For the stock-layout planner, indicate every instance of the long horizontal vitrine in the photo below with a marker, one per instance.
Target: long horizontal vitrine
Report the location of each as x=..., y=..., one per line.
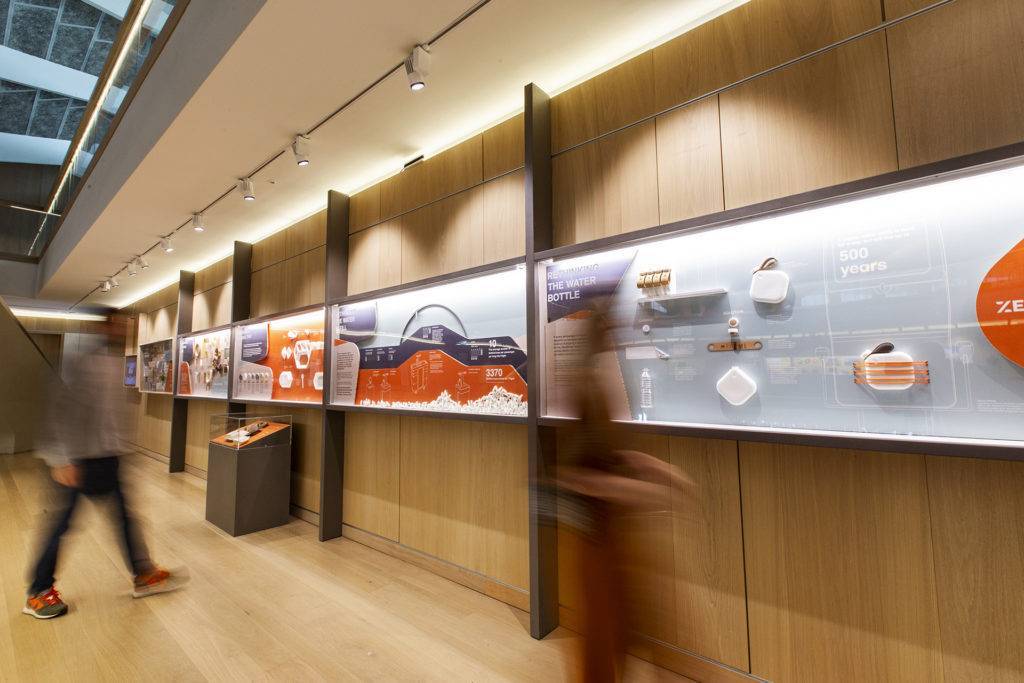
x=455, y=347
x=892, y=317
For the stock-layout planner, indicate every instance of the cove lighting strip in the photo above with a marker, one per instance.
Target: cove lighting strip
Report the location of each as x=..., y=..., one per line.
x=63, y=315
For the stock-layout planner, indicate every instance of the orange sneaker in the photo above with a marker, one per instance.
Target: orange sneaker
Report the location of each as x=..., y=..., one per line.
x=45, y=605
x=159, y=580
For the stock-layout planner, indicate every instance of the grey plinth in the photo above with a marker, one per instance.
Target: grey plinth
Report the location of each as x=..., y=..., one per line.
x=249, y=489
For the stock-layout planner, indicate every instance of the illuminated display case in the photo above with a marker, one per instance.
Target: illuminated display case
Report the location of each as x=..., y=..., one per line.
x=131, y=365
x=280, y=359
x=156, y=367
x=203, y=367
x=457, y=347
x=896, y=314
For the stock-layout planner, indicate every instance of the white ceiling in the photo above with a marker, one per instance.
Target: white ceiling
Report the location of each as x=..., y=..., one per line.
x=289, y=69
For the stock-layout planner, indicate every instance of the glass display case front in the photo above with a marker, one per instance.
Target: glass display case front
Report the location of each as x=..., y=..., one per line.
x=280, y=359
x=900, y=313
x=240, y=430
x=203, y=364
x=458, y=347
x=131, y=364
x=156, y=367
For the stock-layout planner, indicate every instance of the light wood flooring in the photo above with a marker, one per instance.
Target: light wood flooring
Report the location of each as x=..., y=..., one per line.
x=275, y=605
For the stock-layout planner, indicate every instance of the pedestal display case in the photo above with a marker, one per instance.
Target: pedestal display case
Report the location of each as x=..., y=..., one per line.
x=280, y=359
x=457, y=347
x=203, y=367
x=894, y=315
x=249, y=472
x=156, y=367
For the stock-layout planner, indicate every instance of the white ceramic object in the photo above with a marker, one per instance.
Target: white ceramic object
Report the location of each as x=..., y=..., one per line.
x=301, y=353
x=318, y=381
x=769, y=286
x=285, y=380
x=736, y=386
x=891, y=357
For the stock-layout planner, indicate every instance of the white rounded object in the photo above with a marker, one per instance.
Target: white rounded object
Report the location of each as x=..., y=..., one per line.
x=285, y=380
x=318, y=381
x=286, y=352
x=769, y=286
x=736, y=386
x=891, y=357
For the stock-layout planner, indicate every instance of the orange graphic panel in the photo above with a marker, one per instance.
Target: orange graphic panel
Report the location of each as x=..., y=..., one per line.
x=1001, y=305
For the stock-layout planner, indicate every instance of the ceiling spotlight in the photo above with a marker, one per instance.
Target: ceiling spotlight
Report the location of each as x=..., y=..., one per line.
x=166, y=244
x=197, y=222
x=105, y=286
x=143, y=263
x=248, y=189
x=300, y=148
x=417, y=66
x=113, y=282
x=133, y=268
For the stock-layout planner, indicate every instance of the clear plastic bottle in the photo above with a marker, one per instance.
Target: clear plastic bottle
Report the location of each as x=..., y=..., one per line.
x=646, y=389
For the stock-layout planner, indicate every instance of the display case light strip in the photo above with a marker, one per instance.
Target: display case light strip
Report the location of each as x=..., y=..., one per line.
x=62, y=315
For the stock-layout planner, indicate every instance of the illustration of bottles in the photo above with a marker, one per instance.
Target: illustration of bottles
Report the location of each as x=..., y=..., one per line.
x=646, y=390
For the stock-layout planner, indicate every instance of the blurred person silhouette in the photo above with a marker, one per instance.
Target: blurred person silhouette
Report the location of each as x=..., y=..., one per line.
x=600, y=482
x=82, y=444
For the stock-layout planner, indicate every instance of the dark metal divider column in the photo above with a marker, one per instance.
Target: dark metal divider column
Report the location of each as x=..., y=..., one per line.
x=241, y=296
x=179, y=411
x=332, y=450
x=543, y=530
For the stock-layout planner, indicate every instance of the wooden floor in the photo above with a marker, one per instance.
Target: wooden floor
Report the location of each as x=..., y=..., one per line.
x=276, y=605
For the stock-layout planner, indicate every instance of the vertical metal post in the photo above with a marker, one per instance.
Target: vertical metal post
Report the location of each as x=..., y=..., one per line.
x=179, y=410
x=543, y=529
x=332, y=453
x=241, y=293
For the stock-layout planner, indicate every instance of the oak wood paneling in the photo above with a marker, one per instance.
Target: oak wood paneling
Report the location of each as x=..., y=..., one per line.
x=464, y=495
x=197, y=439
x=212, y=307
x=307, y=434
x=752, y=38
x=710, y=594
x=822, y=122
x=214, y=275
x=153, y=428
x=619, y=96
x=977, y=509
x=449, y=171
x=956, y=75
x=443, y=237
x=364, y=208
x=502, y=147
x=840, y=579
x=689, y=157
x=504, y=217
x=372, y=446
x=375, y=257
x=607, y=187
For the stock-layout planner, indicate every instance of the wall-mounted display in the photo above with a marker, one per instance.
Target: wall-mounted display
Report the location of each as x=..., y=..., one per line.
x=458, y=347
x=131, y=364
x=156, y=367
x=203, y=364
x=281, y=359
x=900, y=313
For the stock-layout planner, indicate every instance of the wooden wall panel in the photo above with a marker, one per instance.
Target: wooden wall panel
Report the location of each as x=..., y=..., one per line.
x=607, y=187
x=504, y=217
x=364, y=208
x=752, y=38
x=197, y=439
x=212, y=308
x=307, y=435
x=464, y=496
x=822, y=122
x=977, y=510
x=619, y=96
x=214, y=275
x=449, y=171
x=372, y=445
x=689, y=162
x=153, y=429
x=956, y=75
x=710, y=594
x=443, y=237
x=502, y=147
x=840, y=578
x=375, y=257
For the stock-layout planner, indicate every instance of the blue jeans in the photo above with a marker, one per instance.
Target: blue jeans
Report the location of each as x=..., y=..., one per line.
x=99, y=479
